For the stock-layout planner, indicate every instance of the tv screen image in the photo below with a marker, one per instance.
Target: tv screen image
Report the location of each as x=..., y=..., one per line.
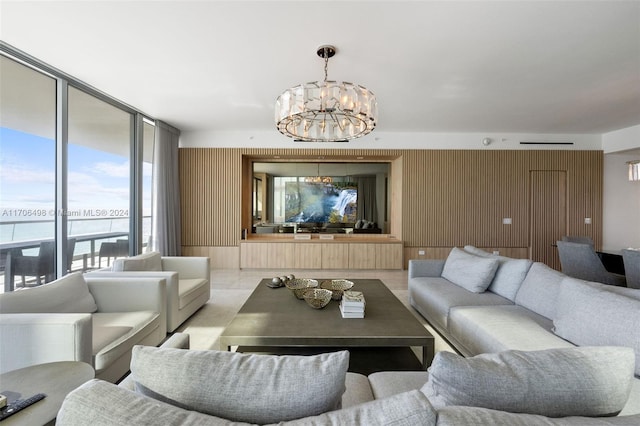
x=320, y=202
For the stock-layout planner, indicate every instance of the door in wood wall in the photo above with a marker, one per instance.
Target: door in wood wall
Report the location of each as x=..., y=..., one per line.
x=548, y=215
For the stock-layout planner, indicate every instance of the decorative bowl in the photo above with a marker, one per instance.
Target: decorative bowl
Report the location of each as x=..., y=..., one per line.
x=317, y=298
x=337, y=287
x=299, y=285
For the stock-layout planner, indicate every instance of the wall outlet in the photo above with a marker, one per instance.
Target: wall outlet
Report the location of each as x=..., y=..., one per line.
x=506, y=221
x=587, y=221
x=420, y=252
x=496, y=252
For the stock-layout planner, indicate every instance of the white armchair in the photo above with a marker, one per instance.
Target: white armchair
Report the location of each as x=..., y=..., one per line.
x=187, y=281
x=96, y=320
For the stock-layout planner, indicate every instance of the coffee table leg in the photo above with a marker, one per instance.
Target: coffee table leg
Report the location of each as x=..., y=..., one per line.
x=428, y=352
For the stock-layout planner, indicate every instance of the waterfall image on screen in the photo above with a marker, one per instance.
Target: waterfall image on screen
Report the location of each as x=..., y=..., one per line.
x=320, y=202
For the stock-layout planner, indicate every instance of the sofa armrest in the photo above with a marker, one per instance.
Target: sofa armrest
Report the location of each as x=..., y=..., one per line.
x=176, y=341
x=171, y=278
x=188, y=267
x=127, y=294
x=425, y=267
x=29, y=339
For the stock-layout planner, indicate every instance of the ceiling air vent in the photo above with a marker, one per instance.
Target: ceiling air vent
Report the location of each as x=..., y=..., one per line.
x=546, y=143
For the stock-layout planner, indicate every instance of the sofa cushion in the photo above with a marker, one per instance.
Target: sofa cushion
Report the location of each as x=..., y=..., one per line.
x=189, y=290
x=590, y=314
x=242, y=387
x=471, y=272
x=138, y=325
x=539, y=290
x=387, y=383
x=69, y=294
x=434, y=298
x=473, y=416
x=99, y=403
x=405, y=409
x=485, y=329
x=580, y=381
x=151, y=261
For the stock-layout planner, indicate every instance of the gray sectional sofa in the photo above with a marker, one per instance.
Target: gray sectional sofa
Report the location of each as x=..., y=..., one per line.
x=578, y=386
x=483, y=303
x=543, y=349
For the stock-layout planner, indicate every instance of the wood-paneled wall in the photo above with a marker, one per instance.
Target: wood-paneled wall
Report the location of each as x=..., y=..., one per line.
x=440, y=198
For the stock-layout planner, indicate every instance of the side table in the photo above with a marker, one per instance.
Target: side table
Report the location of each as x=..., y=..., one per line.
x=54, y=379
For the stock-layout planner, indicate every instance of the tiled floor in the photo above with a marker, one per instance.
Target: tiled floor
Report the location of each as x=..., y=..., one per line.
x=230, y=288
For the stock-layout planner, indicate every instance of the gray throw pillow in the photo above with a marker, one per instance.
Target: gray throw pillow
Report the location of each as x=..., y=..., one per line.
x=470, y=272
x=580, y=381
x=242, y=387
x=597, y=314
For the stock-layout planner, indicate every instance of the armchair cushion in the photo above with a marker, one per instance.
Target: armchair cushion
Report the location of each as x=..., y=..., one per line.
x=151, y=261
x=240, y=387
x=584, y=381
x=69, y=294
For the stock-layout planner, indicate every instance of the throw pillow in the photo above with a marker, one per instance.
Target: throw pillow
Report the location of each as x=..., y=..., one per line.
x=591, y=314
x=580, y=381
x=509, y=276
x=151, y=261
x=471, y=272
x=242, y=387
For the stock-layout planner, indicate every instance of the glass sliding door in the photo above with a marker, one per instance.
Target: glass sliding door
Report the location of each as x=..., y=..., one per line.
x=99, y=178
x=27, y=175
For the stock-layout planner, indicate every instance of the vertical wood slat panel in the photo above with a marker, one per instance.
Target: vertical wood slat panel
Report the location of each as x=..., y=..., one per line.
x=445, y=197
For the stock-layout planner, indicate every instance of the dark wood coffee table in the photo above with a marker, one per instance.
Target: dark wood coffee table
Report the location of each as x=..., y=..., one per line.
x=275, y=318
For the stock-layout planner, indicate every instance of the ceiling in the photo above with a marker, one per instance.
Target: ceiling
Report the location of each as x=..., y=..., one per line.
x=435, y=66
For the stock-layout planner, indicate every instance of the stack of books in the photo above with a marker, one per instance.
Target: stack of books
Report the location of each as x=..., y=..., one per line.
x=352, y=304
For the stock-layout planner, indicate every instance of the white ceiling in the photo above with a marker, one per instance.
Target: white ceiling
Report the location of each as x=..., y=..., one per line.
x=435, y=66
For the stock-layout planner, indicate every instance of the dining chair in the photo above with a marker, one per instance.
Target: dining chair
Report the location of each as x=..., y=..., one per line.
x=631, y=260
x=42, y=265
x=581, y=261
x=580, y=239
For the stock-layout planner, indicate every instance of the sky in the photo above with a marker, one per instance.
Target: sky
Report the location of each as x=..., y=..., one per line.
x=98, y=180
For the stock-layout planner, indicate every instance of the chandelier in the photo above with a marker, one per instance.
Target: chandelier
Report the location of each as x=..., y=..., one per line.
x=326, y=111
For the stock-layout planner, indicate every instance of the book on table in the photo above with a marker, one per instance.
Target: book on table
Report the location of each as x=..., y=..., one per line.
x=353, y=298
x=352, y=304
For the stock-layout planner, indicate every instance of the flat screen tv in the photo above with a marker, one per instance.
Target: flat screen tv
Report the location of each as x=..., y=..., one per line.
x=320, y=202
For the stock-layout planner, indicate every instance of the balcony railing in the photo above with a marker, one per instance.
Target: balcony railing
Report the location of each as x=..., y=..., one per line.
x=24, y=237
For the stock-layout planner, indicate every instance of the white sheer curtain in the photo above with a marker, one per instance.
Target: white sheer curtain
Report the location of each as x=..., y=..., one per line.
x=367, y=200
x=166, y=234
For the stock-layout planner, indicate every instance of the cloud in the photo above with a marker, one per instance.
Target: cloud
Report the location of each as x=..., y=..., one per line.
x=120, y=170
x=17, y=174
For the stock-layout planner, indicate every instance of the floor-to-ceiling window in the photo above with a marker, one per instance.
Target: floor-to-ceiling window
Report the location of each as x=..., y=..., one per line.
x=99, y=175
x=75, y=173
x=27, y=169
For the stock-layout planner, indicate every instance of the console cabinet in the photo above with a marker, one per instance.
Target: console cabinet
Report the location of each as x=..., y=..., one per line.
x=313, y=254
